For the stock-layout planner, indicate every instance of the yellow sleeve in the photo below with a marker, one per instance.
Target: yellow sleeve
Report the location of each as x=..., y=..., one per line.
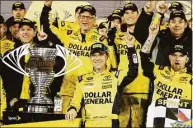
x=6, y=45
x=3, y=104
x=78, y=95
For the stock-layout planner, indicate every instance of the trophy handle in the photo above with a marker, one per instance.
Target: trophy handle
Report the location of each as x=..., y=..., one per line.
x=12, y=59
x=69, y=59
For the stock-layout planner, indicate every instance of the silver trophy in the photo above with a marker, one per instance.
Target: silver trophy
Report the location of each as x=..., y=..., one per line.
x=40, y=70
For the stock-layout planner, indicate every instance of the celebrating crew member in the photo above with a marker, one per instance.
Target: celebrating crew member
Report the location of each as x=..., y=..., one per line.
x=176, y=34
x=78, y=43
x=101, y=88
x=170, y=83
x=5, y=44
x=102, y=29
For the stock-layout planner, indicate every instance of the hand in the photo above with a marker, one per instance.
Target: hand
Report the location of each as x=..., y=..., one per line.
x=48, y=3
x=153, y=29
x=149, y=6
x=161, y=7
x=71, y=114
x=129, y=39
x=13, y=101
x=42, y=35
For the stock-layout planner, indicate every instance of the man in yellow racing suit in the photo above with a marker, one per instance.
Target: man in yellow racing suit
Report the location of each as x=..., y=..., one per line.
x=78, y=43
x=101, y=88
x=171, y=83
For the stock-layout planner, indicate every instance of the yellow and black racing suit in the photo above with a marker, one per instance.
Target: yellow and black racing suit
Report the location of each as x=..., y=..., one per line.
x=78, y=44
x=100, y=93
x=167, y=85
x=135, y=95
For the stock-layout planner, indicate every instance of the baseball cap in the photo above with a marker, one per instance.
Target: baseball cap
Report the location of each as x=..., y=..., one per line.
x=102, y=25
x=2, y=21
x=130, y=6
x=115, y=16
x=177, y=13
x=118, y=12
x=178, y=48
x=176, y=6
x=27, y=22
x=18, y=5
x=12, y=21
x=98, y=47
x=88, y=8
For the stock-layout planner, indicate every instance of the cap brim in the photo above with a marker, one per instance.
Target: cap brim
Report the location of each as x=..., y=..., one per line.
x=97, y=51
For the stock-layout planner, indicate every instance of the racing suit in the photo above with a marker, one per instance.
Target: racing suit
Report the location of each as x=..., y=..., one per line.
x=135, y=94
x=78, y=44
x=101, y=92
x=168, y=85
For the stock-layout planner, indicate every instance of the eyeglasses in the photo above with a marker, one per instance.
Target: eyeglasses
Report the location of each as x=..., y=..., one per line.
x=86, y=17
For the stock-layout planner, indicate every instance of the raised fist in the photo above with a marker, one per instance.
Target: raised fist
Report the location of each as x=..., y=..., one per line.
x=48, y=3
x=161, y=7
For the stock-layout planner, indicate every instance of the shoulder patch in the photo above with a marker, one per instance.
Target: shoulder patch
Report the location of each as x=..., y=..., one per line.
x=102, y=38
x=63, y=23
x=161, y=67
x=69, y=32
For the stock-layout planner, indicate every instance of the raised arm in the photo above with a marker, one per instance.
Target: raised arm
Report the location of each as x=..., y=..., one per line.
x=133, y=63
x=147, y=65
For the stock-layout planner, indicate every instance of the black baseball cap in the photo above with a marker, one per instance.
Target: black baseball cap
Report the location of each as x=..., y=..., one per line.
x=118, y=12
x=102, y=25
x=12, y=21
x=98, y=47
x=88, y=8
x=2, y=21
x=130, y=6
x=176, y=6
x=18, y=5
x=115, y=16
x=27, y=22
x=178, y=48
x=177, y=13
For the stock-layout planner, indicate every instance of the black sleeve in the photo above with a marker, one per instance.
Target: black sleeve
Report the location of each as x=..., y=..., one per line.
x=133, y=69
x=141, y=31
x=46, y=26
x=147, y=66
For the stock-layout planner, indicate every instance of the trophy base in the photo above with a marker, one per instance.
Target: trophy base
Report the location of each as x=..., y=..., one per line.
x=40, y=108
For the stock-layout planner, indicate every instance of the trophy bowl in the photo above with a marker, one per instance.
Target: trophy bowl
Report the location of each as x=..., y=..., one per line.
x=40, y=69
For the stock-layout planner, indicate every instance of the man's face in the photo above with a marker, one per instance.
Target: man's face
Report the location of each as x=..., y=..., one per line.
x=116, y=23
x=3, y=30
x=86, y=21
x=26, y=34
x=99, y=60
x=178, y=61
x=177, y=26
x=103, y=31
x=19, y=13
x=130, y=17
x=14, y=29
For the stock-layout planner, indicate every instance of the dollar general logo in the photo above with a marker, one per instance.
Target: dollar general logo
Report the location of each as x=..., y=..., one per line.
x=15, y=118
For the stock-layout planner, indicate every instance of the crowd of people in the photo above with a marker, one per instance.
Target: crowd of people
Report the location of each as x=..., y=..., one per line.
x=130, y=62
